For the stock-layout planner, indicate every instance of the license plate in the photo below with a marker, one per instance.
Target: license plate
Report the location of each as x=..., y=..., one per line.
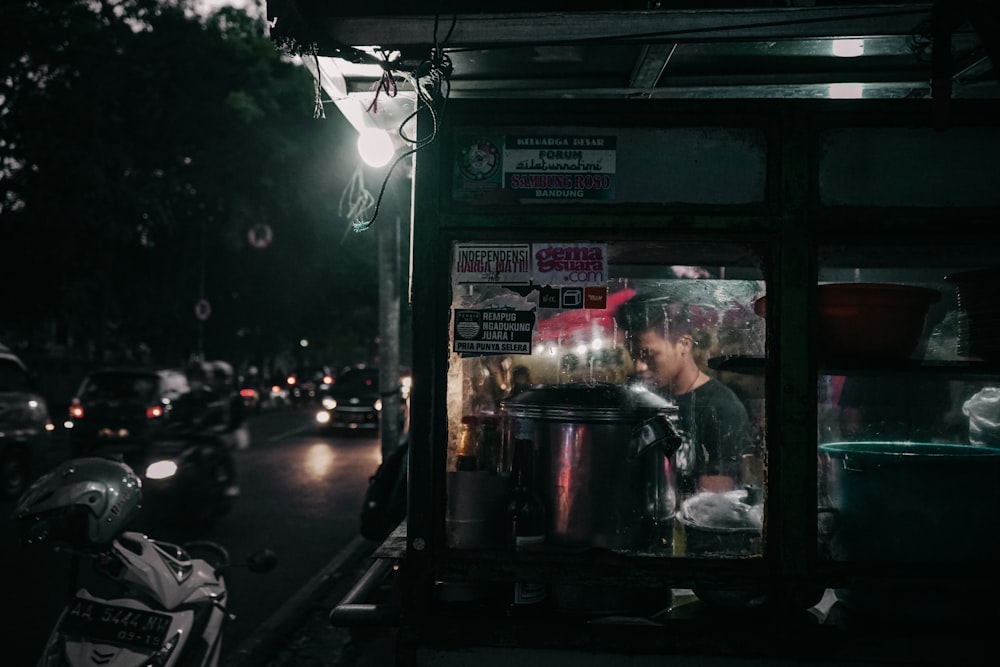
x=113, y=624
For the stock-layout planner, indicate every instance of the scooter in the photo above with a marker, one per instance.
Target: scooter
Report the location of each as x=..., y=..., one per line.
x=150, y=603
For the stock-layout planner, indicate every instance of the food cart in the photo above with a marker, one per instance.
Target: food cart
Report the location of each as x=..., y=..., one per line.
x=837, y=259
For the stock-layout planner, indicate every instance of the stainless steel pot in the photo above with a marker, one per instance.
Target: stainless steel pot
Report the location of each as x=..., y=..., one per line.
x=603, y=468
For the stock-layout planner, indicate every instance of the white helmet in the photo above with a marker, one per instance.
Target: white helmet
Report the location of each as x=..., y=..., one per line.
x=83, y=503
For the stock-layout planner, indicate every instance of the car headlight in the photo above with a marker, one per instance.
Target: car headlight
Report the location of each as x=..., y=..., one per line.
x=161, y=469
x=378, y=405
x=329, y=403
x=323, y=417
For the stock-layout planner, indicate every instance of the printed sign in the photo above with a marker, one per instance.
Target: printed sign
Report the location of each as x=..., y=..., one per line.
x=595, y=297
x=560, y=167
x=260, y=235
x=508, y=264
x=541, y=264
x=493, y=331
x=573, y=297
x=202, y=309
x=576, y=264
x=549, y=297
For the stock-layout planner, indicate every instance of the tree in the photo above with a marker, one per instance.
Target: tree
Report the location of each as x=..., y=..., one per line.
x=139, y=144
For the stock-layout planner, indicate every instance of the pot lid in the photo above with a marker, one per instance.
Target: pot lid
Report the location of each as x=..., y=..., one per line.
x=732, y=510
x=937, y=453
x=587, y=401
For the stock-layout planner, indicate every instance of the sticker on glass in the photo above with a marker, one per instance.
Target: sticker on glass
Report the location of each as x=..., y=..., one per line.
x=493, y=331
x=496, y=263
x=574, y=264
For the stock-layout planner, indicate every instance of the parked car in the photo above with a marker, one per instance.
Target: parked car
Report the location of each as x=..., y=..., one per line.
x=177, y=435
x=25, y=426
x=354, y=402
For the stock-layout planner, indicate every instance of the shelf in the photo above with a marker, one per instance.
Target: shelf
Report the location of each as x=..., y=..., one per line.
x=739, y=363
x=962, y=368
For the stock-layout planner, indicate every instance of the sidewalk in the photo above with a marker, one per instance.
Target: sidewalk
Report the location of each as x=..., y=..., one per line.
x=300, y=633
x=316, y=643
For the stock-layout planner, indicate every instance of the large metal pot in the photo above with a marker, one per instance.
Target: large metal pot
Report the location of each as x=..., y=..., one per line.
x=601, y=469
x=910, y=502
x=906, y=502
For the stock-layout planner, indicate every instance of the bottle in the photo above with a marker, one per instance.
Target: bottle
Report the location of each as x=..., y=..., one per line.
x=488, y=451
x=526, y=512
x=468, y=441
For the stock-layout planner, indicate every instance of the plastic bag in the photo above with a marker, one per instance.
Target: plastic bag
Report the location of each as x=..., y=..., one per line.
x=983, y=411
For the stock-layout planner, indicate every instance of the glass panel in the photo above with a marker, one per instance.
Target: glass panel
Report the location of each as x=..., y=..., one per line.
x=625, y=380
x=909, y=411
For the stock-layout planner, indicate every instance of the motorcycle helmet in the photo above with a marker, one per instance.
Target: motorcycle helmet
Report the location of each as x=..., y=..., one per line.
x=83, y=503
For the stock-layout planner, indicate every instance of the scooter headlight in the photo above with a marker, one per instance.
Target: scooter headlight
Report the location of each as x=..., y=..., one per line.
x=161, y=469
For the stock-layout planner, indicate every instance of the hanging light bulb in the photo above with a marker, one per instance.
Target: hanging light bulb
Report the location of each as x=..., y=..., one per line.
x=375, y=147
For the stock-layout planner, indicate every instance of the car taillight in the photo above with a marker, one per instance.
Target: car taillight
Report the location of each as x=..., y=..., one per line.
x=248, y=393
x=154, y=411
x=75, y=409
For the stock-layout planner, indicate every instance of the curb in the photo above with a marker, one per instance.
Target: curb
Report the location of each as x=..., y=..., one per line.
x=257, y=650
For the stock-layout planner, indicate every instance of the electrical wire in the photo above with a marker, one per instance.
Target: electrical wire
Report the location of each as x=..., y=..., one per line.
x=386, y=83
x=318, y=110
x=355, y=200
x=431, y=80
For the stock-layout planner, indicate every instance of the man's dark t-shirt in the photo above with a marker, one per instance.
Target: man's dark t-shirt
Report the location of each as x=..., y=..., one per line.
x=718, y=428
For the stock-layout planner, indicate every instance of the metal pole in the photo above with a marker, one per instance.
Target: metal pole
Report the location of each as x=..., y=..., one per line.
x=388, y=262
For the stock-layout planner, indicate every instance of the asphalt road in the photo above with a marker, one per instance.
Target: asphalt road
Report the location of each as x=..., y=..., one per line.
x=300, y=496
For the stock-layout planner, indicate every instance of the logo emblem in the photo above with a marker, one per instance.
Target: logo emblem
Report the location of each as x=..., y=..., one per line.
x=479, y=160
x=468, y=324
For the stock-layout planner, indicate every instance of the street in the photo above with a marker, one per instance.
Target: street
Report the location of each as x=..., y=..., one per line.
x=300, y=496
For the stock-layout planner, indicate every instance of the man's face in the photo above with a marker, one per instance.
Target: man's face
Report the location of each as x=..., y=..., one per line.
x=656, y=359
